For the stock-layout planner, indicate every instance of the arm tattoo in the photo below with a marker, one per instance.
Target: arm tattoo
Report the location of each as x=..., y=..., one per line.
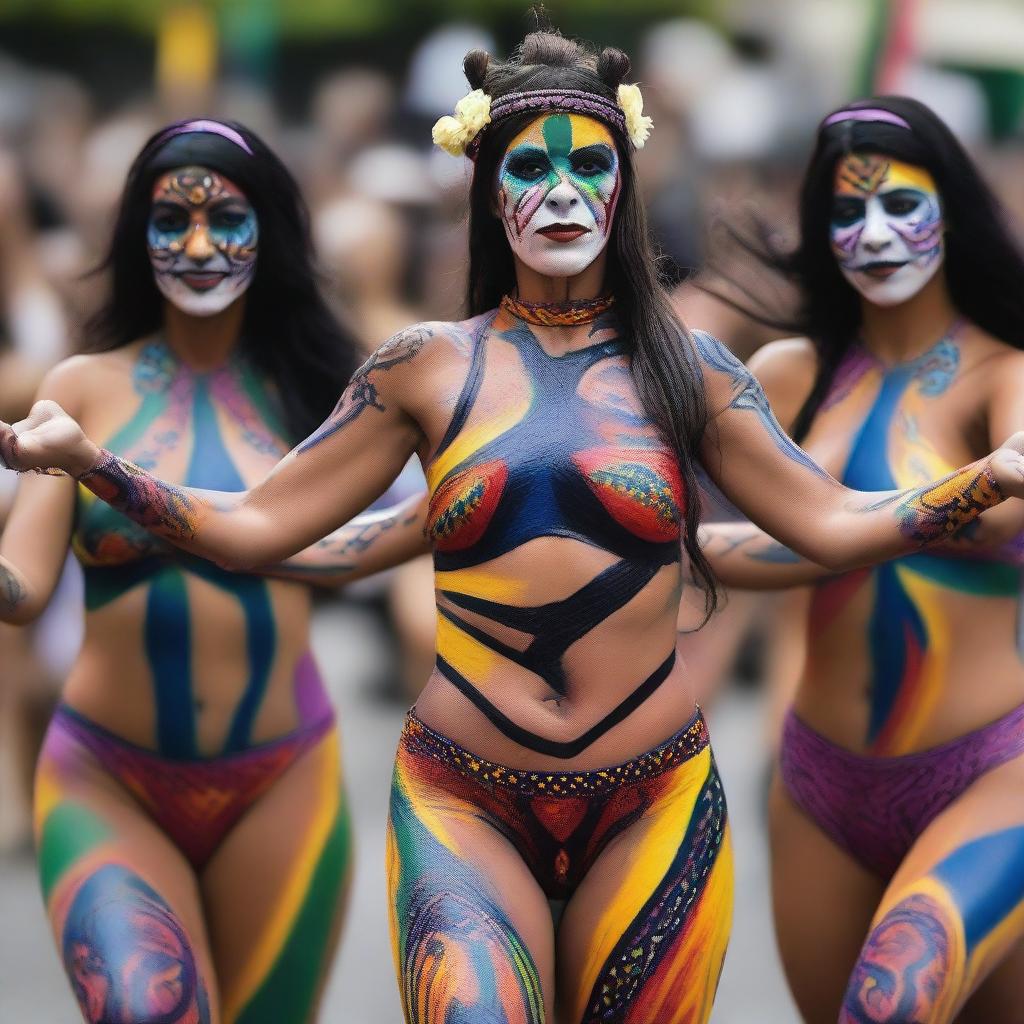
x=944, y=508
x=361, y=392
x=12, y=593
x=747, y=393
x=776, y=553
x=339, y=552
x=161, y=508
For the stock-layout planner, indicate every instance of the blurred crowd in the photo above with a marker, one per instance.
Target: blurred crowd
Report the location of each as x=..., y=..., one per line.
x=733, y=114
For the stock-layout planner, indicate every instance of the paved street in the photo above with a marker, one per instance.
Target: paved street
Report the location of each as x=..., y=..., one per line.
x=362, y=989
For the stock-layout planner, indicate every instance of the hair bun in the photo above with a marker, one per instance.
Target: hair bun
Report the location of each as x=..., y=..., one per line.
x=475, y=65
x=612, y=67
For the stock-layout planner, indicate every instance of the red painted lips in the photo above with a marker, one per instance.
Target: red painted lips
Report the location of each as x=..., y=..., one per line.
x=563, y=232
x=202, y=281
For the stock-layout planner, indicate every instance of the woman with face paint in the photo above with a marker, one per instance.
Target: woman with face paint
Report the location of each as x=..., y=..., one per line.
x=555, y=757
x=902, y=760
x=192, y=832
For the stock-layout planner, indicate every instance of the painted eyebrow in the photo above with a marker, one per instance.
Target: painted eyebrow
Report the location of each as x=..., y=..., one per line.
x=169, y=205
x=594, y=149
x=913, y=190
x=528, y=149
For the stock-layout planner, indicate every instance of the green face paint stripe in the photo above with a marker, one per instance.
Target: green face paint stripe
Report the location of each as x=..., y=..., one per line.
x=557, y=132
x=69, y=833
x=289, y=990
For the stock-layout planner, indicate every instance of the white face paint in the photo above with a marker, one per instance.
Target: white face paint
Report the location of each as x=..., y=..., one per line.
x=558, y=185
x=202, y=239
x=886, y=228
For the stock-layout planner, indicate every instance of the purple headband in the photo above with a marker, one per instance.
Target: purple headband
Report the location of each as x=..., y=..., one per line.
x=212, y=127
x=866, y=114
x=571, y=101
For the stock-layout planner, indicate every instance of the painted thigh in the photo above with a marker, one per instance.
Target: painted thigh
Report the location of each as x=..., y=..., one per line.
x=644, y=936
x=471, y=929
x=121, y=899
x=275, y=893
x=953, y=911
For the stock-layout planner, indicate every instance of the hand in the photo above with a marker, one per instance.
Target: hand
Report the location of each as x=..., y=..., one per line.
x=1007, y=466
x=48, y=439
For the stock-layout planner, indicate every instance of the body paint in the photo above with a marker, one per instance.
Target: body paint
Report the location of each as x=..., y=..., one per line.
x=12, y=592
x=178, y=410
x=558, y=186
x=748, y=394
x=128, y=956
x=202, y=240
x=923, y=959
x=361, y=393
x=907, y=628
x=887, y=228
x=559, y=458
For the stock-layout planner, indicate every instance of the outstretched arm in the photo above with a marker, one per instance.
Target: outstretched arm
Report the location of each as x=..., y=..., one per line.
x=782, y=490
x=371, y=543
x=319, y=486
x=38, y=528
x=743, y=556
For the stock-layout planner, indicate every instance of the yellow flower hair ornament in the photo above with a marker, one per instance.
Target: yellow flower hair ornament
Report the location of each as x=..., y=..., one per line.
x=638, y=125
x=472, y=114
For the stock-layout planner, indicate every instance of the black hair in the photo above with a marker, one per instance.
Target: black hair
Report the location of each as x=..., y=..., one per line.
x=287, y=331
x=984, y=268
x=664, y=367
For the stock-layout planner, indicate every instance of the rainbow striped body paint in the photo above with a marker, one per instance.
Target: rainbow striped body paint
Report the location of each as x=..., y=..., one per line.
x=660, y=941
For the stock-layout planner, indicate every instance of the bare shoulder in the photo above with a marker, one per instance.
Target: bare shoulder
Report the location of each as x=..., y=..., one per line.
x=786, y=369
x=981, y=350
x=427, y=342
x=72, y=380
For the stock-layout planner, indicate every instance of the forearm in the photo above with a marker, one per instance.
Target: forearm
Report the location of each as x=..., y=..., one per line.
x=369, y=544
x=744, y=557
x=863, y=531
x=210, y=524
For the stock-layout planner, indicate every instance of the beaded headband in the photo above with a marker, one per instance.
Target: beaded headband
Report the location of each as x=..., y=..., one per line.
x=569, y=101
x=202, y=125
x=866, y=114
x=460, y=134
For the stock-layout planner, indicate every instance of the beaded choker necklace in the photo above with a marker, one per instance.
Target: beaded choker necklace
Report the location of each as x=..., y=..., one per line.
x=558, y=314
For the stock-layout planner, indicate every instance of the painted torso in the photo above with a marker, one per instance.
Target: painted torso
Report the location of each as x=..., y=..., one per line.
x=910, y=653
x=179, y=655
x=555, y=515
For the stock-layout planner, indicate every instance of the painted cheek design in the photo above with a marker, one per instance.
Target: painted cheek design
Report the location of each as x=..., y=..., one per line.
x=887, y=219
x=202, y=239
x=558, y=186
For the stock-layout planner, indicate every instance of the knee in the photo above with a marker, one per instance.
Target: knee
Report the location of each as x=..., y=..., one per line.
x=909, y=967
x=127, y=955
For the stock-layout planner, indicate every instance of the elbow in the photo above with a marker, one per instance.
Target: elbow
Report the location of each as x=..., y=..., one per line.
x=836, y=558
x=234, y=561
x=22, y=614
